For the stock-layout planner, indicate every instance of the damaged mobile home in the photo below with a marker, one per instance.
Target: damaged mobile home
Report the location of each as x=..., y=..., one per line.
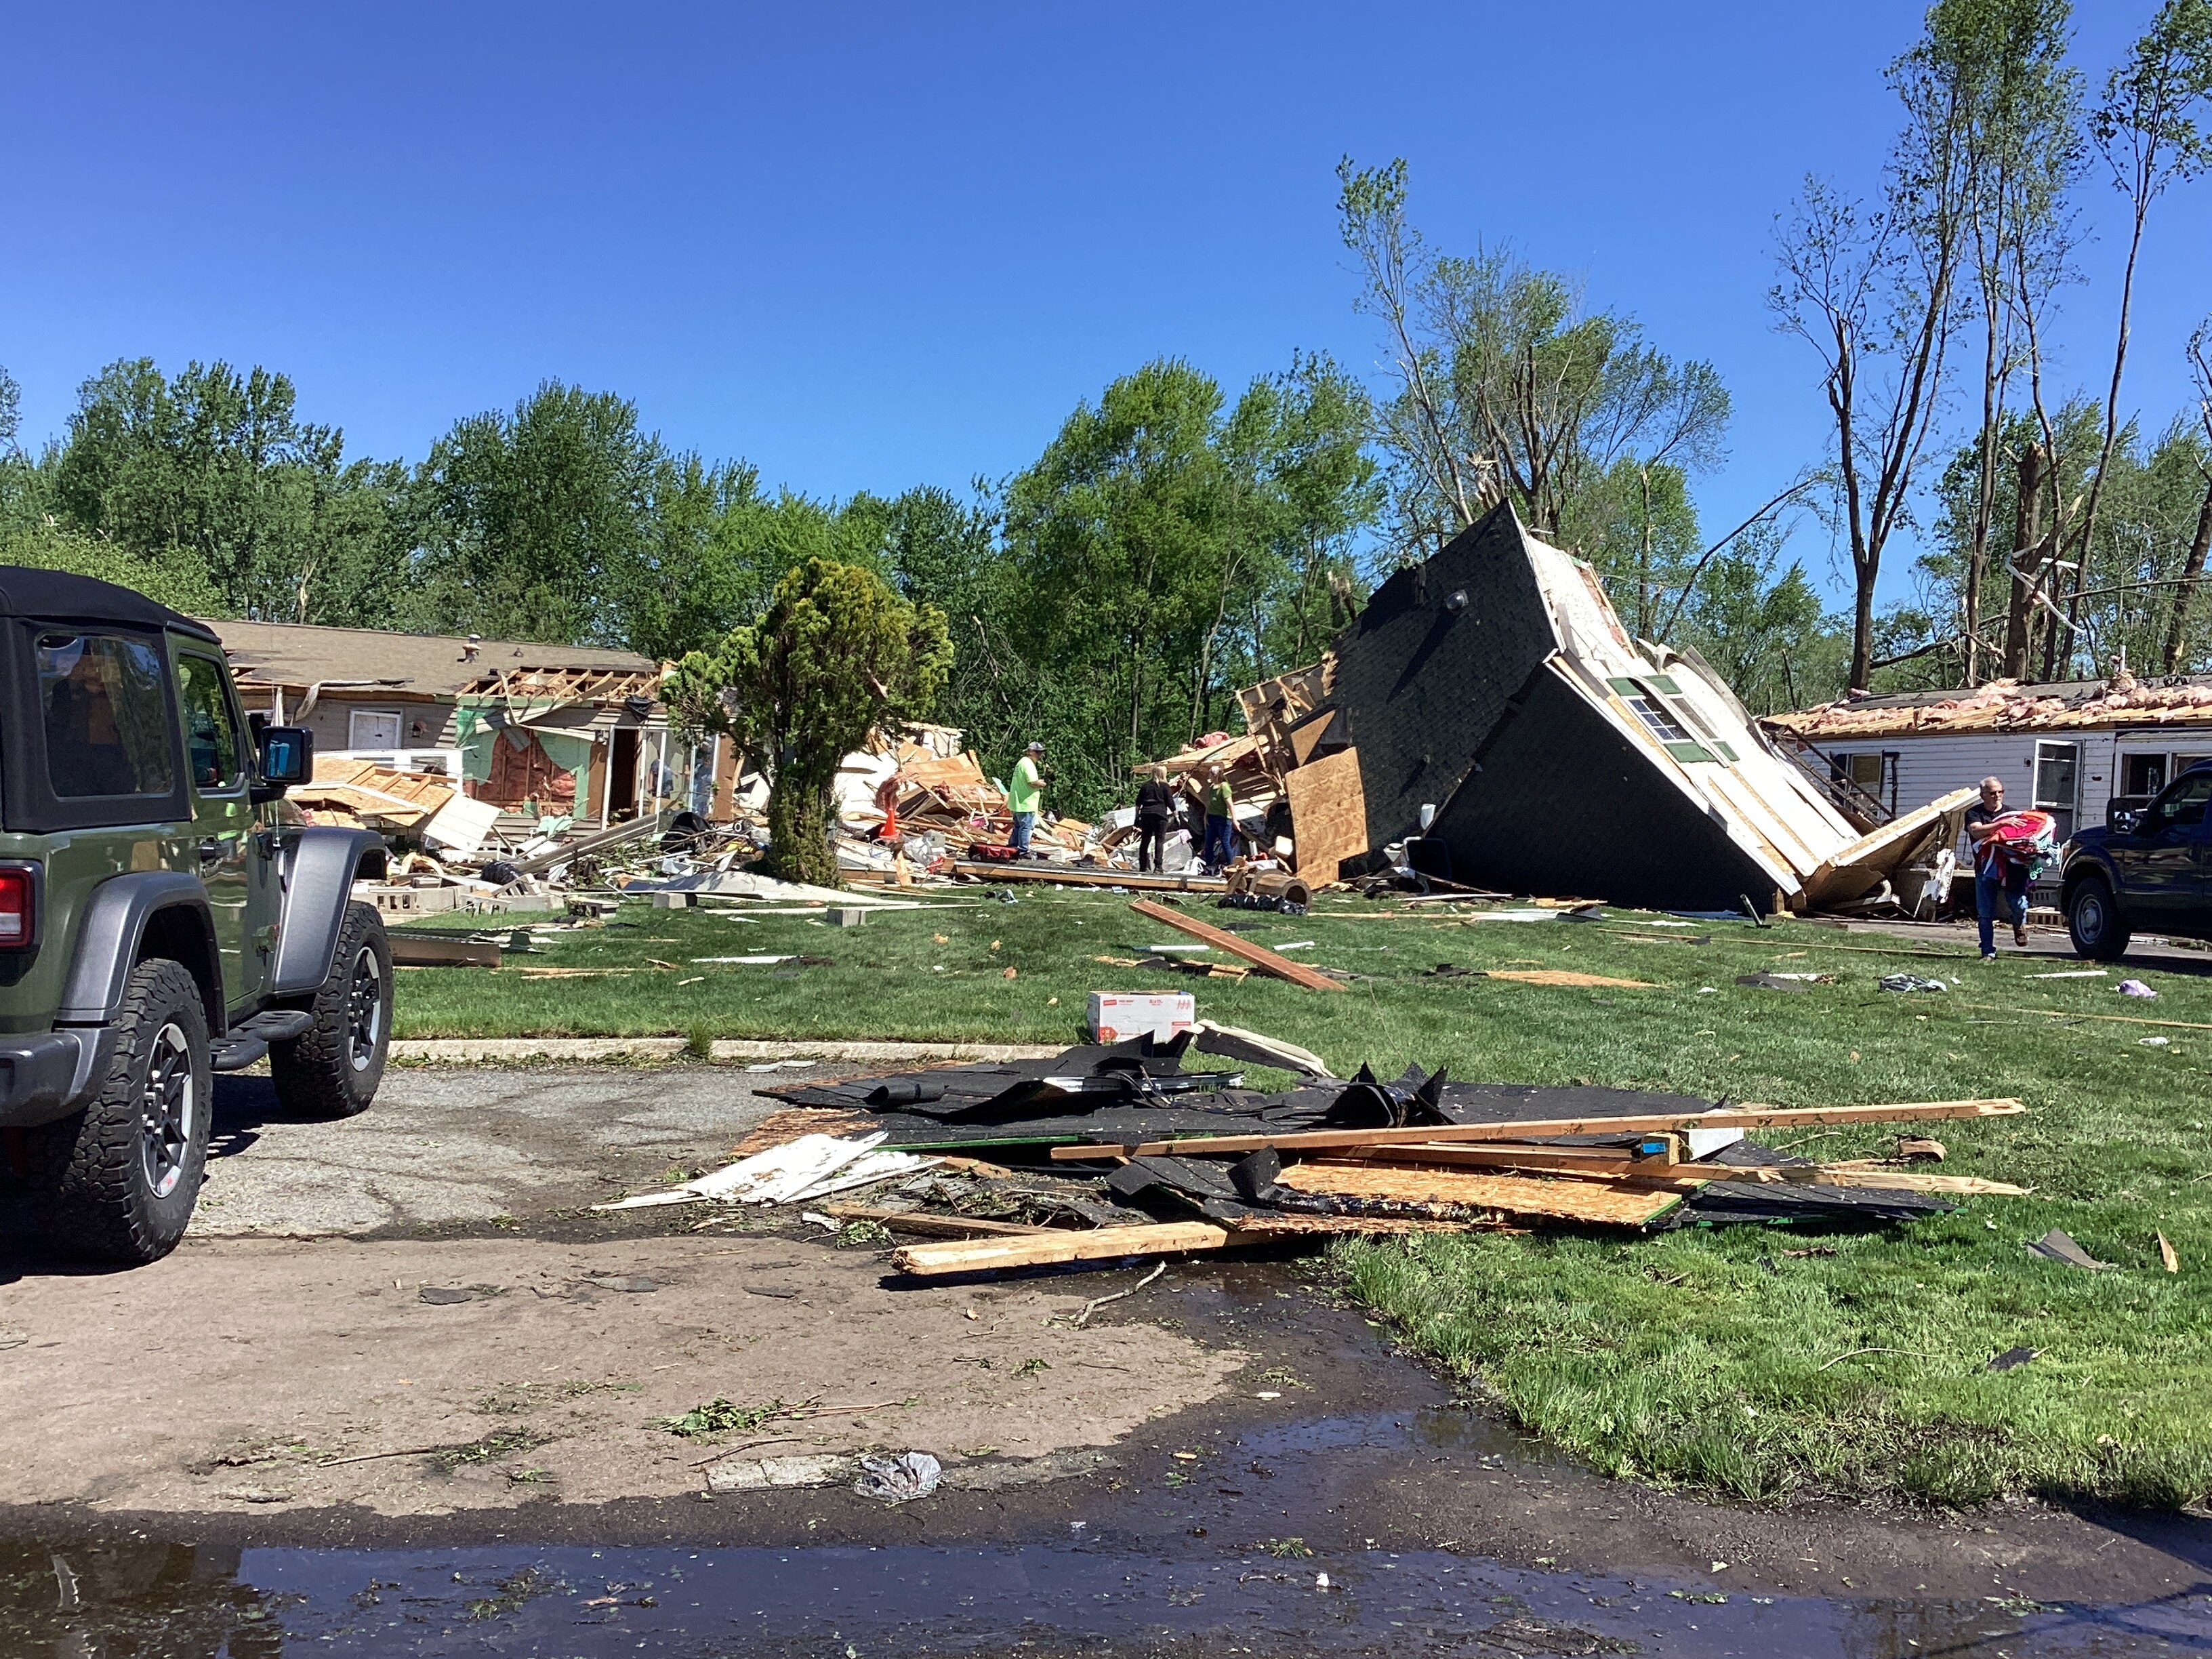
x=1489, y=713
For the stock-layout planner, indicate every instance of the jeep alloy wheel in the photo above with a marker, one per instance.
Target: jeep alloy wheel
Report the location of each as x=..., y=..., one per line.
x=169, y=1110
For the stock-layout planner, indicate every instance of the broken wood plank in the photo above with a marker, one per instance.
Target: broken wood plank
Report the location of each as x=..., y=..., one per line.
x=1328, y=813
x=1288, y=1226
x=1600, y=1161
x=1258, y=956
x=1098, y=1244
x=1620, y=1204
x=2070, y=1013
x=1738, y=1117
x=982, y=871
x=934, y=1225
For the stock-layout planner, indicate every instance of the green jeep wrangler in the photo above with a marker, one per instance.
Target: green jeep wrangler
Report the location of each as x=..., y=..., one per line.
x=159, y=920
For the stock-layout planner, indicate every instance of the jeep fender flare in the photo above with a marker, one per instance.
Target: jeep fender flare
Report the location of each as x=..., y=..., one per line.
x=112, y=933
x=320, y=871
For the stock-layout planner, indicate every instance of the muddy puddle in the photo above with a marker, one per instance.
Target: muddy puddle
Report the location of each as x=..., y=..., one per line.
x=1201, y=1556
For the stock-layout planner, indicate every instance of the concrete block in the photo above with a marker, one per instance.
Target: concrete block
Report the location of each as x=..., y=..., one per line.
x=848, y=915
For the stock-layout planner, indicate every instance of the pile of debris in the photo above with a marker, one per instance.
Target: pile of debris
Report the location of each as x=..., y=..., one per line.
x=1103, y=1153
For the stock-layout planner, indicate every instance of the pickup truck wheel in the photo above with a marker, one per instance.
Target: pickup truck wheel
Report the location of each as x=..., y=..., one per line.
x=2094, y=919
x=332, y=1068
x=117, y=1182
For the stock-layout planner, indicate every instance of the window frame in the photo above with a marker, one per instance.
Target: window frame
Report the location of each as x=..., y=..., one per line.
x=2069, y=813
x=241, y=754
x=354, y=717
x=32, y=805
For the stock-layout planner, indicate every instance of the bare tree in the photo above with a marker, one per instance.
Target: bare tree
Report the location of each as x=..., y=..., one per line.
x=1874, y=295
x=1507, y=388
x=2200, y=543
x=2146, y=131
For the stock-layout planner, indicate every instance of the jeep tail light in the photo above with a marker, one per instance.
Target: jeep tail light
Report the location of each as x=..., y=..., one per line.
x=19, y=909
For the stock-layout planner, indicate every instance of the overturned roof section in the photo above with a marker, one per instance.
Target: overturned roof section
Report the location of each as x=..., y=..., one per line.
x=2008, y=706
x=1494, y=683
x=298, y=655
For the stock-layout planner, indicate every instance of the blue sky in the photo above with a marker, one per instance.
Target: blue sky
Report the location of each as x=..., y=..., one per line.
x=870, y=246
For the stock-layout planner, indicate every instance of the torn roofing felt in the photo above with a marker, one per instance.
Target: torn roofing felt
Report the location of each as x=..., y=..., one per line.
x=1494, y=683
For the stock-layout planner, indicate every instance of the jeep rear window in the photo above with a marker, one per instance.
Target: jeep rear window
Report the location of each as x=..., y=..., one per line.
x=107, y=717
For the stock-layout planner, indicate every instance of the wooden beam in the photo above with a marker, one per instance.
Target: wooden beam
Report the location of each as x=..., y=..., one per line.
x=981, y=870
x=1739, y=1117
x=1098, y=1244
x=1615, y=1203
x=933, y=1225
x=1601, y=1161
x=1258, y=956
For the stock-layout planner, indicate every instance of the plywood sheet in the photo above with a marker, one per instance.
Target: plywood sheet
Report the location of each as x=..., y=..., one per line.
x=1525, y=1195
x=1328, y=814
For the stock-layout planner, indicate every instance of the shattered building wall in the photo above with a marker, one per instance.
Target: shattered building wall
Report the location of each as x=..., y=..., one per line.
x=1494, y=686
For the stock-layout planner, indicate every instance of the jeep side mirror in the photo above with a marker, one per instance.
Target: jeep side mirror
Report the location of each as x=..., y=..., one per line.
x=2123, y=818
x=287, y=757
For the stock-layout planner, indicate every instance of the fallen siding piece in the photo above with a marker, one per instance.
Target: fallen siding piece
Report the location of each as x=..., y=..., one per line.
x=1099, y=1245
x=422, y=950
x=1261, y=957
x=1743, y=1117
x=808, y=1167
x=931, y=1224
x=1234, y=1042
x=1520, y=1196
x=1566, y=976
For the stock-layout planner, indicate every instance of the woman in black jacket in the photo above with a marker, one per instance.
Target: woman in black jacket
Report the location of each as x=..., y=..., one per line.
x=1156, y=810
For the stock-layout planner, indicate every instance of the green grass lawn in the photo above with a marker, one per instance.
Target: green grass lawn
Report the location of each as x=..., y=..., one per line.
x=1711, y=1357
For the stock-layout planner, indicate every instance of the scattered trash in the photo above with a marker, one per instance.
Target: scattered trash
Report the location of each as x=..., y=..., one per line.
x=2057, y=1246
x=1911, y=982
x=1917, y=1149
x=1776, y=981
x=2134, y=987
x=816, y=1219
x=2154, y=1041
x=899, y=1479
x=2012, y=1358
x=2168, y=1257
x=811, y=1166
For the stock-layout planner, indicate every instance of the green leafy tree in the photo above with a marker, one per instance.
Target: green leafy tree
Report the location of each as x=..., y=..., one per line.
x=216, y=466
x=530, y=524
x=837, y=655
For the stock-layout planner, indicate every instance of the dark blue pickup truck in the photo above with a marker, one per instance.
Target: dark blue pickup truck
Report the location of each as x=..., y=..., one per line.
x=2149, y=865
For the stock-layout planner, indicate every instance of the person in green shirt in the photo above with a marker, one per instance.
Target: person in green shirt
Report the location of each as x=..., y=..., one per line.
x=1025, y=796
x=1220, y=821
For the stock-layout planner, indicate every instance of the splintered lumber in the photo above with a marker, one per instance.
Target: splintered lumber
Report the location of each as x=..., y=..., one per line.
x=1603, y=1162
x=1910, y=1181
x=1036, y=1250
x=1521, y=1195
x=1287, y=1226
x=1739, y=1117
x=1258, y=956
x=1072, y=876
x=933, y=1226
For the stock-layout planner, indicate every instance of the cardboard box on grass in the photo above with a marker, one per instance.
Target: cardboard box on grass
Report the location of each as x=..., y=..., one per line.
x=1117, y=1016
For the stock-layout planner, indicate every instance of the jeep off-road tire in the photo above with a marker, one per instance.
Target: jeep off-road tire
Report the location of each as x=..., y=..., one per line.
x=2094, y=920
x=117, y=1180
x=332, y=1068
